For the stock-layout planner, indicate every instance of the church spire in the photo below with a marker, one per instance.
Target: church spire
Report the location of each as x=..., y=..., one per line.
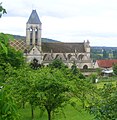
x=34, y=18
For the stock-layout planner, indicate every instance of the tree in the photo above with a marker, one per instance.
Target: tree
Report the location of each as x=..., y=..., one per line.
x=13, y=57
x=115, y=69
x=4, y=41
x=34, y=64
x=57, y=64
x=8, y=107
x=53, y=90
x=115, y=54
x=76, y=72
x=105, y=54
x=104, y=108
x=2, y=10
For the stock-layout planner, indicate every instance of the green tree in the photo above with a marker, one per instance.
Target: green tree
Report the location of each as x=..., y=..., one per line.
x=53, y=90
x=115, y=54
x=13, y=57
x=76, y=72
x=115, y=69
x=8, y=107
x=4, y=41
x=104, y=108
x=83, y=91
x=2, y=10
x=57, y=64
x=105, y=54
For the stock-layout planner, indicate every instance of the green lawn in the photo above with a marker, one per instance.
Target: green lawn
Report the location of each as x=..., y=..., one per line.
x=70, y=114
x=103, y=81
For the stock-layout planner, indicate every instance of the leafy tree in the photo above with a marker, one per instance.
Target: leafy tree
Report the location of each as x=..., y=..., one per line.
x=8, y=108
x=115, y=69
x=2, y=10
x=104, y=108
x=4, y=41
x=57, y=64
x=53, y=90
x=34, y=64
x=76, y=72
x=93, y=77
x=83, y=91
x=115, y=54
x=105, y=54
x=13, y=57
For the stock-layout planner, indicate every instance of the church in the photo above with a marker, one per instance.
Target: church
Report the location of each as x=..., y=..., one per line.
x=46, y=52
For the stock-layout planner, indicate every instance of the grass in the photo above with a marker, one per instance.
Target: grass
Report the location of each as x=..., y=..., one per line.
x=70, y=114
x=106, y=80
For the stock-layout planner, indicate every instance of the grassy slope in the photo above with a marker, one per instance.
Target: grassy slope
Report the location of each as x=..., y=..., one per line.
x=70, y=114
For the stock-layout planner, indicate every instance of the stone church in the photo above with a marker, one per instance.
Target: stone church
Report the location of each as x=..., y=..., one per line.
x=46, y=52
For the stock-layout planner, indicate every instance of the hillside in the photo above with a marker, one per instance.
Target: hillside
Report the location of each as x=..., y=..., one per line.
x=18, y=37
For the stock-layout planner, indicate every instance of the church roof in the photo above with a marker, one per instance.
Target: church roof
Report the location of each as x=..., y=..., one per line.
x=60, y=47
x=34, y=18
x=55, y=47
x=18, y=44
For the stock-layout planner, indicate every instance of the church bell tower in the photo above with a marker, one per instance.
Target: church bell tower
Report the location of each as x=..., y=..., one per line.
x=33, y=30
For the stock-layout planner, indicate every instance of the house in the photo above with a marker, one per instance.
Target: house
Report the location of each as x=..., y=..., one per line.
x=106, y=66
x=46, y=52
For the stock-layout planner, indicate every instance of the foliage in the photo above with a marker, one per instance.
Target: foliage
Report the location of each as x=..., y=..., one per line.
x=99, y=71
x=8, y=108
x=115, y=54
x=13, y=57
x=76, y=72
x=84, y=90
x=57, y=64
x=104, y=108
x=2, y=10
x=34, y=64
x=53, y=89
x=93, y=77
x=105, y=54
x=4, y=40
x=115, y=69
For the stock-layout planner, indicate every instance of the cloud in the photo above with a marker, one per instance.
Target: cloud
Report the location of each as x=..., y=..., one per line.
x=65, y=20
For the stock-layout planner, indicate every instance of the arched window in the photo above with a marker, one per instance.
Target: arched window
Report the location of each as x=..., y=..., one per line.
x=69, y=56
x=58, y=57
x=80, y=56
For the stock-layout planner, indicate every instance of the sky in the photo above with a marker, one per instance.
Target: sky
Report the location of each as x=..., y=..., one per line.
x=65, y=20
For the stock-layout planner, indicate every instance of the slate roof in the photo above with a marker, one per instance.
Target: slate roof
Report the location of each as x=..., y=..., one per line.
x=106, y=63
x=34, y=18
x=56, y=47
x=60, y=47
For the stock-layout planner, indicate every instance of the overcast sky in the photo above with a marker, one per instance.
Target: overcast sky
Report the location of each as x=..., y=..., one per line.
x=65, y=20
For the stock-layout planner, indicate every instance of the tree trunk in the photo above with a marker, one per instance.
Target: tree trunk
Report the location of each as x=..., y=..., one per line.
x=23, y=104
x=49, y=115
x=32, y=111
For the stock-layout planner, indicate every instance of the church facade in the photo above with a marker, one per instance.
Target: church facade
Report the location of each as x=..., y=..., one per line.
x=46, y=52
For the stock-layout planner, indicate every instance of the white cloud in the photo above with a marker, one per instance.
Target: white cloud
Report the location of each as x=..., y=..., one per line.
x=65, y=20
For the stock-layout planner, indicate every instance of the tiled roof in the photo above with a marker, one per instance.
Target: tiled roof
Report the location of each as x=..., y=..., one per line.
x=106, y=63
x=59, y=47
x=18, y=44
x=34, y=18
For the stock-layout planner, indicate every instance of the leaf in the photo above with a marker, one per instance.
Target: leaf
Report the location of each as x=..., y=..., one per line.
x=4, y=48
